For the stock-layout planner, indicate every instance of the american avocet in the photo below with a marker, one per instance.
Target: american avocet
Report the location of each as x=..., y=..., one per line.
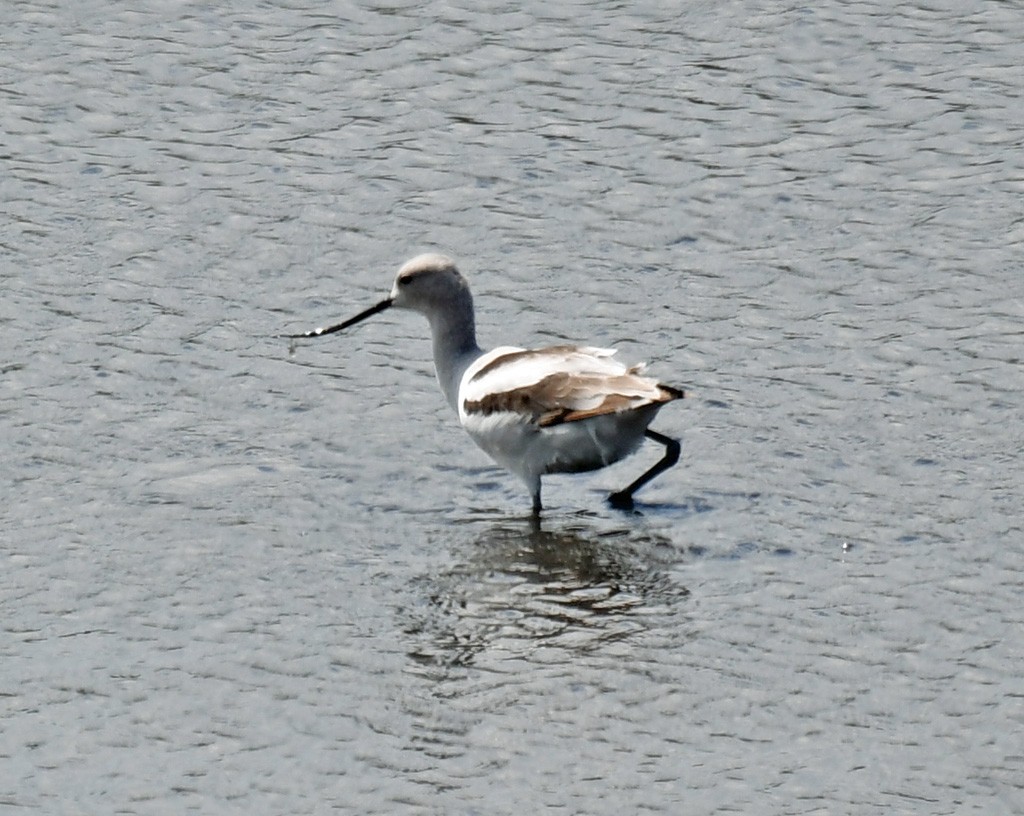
x=563, y=409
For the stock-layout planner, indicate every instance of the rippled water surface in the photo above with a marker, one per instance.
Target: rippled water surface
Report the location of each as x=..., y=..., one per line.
x=242, y=579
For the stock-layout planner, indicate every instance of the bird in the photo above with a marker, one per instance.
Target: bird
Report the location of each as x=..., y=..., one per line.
x=560, y=409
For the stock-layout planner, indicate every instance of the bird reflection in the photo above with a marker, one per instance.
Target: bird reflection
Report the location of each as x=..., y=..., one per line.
x=517, y=588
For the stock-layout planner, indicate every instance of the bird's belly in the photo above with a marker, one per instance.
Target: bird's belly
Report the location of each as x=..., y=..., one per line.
x=575, y=447
x=571, y=447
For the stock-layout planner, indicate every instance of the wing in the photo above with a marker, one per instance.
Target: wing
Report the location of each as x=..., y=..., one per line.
x=558, y=384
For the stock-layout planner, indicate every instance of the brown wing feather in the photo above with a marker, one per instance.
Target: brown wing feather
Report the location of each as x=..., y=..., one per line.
x=561, y=397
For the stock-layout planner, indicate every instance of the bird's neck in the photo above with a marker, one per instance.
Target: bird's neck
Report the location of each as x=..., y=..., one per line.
x=455, y=349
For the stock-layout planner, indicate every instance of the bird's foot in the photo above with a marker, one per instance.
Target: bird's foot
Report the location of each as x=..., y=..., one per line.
x=621, y=500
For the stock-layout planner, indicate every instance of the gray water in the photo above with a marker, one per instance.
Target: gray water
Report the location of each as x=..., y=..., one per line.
x=238, y=579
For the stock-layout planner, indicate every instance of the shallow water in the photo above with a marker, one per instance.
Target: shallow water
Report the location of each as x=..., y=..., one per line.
x=243, y=579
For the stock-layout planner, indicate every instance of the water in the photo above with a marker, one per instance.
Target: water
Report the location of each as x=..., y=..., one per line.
x=237, y=580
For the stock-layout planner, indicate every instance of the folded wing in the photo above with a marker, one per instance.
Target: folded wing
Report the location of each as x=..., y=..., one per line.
x=557, y=384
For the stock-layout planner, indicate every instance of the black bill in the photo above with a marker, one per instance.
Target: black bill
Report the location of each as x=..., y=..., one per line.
x=380, y=307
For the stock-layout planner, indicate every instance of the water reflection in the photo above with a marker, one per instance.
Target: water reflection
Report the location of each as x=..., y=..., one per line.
x=518, y=587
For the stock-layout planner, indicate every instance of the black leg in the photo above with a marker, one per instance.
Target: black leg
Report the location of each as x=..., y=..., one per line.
x=536, y=503
x=623, y=499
